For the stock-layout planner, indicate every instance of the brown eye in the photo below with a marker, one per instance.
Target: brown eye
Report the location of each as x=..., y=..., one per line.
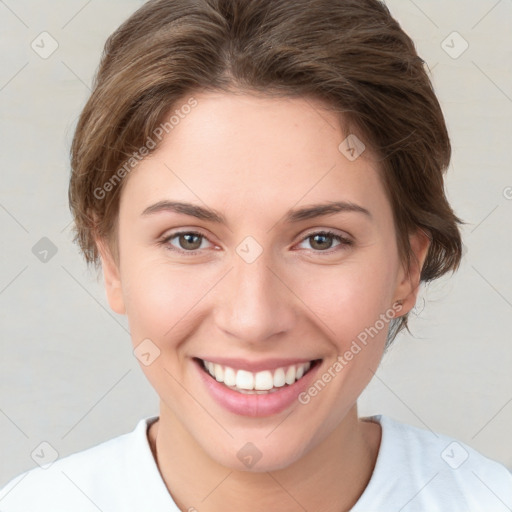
x=190, y=241
x=322, y=241
x=187, y=241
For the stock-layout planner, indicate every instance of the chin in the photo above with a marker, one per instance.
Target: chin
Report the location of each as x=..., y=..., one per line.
x=256, y=457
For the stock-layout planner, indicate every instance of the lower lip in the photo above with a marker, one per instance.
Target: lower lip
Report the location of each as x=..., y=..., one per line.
x=253, y=404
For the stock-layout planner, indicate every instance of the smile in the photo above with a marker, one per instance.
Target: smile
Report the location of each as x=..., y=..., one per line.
x=261, y=382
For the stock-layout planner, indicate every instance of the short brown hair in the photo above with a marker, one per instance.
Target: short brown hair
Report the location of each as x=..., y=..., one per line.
x=352, y=54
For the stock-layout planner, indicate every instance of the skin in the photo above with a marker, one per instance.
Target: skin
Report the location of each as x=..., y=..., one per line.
x=252, y=159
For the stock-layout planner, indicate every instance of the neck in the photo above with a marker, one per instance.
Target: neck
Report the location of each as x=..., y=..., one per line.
x=329, y=478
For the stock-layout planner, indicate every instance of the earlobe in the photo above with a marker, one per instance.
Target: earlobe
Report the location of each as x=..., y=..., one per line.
x=111, y=277
x=408, y=288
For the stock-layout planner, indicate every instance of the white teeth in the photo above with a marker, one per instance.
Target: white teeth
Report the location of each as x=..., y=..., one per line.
x=260, y=382
x=229, y=376
x=219, y=372
x=279, y=379
x=263, y=381
x=290, y=375
x=244, y=380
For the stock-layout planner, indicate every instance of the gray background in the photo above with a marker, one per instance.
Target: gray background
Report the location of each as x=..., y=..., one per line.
x=68, y=375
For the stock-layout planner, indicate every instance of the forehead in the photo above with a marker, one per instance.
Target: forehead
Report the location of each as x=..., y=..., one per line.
x=241, y=151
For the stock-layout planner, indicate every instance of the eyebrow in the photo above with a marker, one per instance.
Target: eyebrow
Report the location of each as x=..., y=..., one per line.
x=297, y=215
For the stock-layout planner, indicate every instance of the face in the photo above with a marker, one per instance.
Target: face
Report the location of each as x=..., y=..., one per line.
x=248, y=277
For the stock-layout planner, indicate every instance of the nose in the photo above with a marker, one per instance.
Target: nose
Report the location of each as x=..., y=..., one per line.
x=253, y=303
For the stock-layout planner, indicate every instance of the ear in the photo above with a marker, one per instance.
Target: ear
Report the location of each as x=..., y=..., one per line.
x=409, y=285
x=112, y=277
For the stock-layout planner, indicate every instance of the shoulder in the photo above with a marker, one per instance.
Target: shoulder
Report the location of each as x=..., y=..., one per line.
x=77, y=480
x=430, y=471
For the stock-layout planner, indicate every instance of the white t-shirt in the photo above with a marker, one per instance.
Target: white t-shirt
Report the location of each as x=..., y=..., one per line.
x=416, y=470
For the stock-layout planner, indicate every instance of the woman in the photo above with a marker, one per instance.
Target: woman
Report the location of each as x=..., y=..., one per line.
x=262, y=184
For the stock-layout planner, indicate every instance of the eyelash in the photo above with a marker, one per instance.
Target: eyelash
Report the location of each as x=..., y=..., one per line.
x=343, y=242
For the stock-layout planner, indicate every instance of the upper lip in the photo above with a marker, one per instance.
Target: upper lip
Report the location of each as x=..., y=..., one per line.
x=255, y=366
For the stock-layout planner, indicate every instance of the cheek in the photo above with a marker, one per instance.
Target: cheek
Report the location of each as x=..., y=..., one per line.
x=351, y=298
x=160, y=300
x=161, y=305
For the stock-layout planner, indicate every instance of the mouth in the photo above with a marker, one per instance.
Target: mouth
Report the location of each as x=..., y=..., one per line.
x=262, y=382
